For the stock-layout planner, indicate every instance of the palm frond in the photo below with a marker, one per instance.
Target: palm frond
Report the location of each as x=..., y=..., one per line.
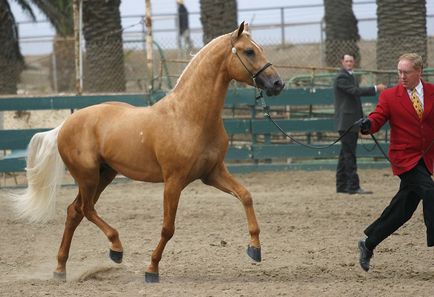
x=58, y=13
x=25, y=6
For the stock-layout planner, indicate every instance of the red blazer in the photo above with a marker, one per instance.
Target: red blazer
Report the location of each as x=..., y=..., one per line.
x=409, y=136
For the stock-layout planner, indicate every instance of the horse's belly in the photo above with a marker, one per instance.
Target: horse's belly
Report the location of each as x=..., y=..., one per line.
x=145, y=172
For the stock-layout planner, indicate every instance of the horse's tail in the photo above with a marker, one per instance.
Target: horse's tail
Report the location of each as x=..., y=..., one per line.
x=45, y=170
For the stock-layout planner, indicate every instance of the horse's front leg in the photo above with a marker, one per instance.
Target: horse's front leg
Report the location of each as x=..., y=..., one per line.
x=223, y=180
x=172, y=192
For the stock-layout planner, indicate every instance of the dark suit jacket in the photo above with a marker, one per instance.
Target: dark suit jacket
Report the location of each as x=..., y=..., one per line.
x=348, y=106
x=409, y=136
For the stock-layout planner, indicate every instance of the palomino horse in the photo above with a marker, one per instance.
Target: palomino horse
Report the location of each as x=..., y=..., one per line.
x=179, y=139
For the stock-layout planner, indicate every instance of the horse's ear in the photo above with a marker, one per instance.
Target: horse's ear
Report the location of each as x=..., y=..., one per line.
x=240, y=29
x=246, y=27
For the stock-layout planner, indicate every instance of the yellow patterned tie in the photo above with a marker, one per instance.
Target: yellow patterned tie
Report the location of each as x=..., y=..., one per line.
x=416, y=103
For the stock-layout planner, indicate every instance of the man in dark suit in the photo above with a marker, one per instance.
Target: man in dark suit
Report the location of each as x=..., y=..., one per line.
x=408, y=107
x=348, y=109
x=184, y=28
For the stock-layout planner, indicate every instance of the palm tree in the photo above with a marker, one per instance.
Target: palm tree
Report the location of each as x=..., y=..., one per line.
x=102, y=30
x=104, y=61
x=11, y=60
x=401, y=28
x=342, y=33
x=59, y=14
x=217, y=17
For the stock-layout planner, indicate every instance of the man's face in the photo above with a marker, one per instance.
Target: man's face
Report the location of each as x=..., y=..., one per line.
x=409, y=77
x=348, y=62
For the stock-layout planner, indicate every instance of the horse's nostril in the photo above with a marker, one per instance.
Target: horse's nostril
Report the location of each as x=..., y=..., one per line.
x=278, y=84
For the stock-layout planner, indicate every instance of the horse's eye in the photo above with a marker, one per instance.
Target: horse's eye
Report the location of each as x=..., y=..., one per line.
x=249, y=52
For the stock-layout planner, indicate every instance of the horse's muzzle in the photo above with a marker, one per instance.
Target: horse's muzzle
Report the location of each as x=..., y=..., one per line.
x=272, y=85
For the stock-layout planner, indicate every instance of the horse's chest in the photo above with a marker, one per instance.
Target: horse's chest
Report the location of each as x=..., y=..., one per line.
x=209, y=155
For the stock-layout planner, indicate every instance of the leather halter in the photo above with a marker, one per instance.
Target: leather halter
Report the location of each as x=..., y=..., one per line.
x=253, y=75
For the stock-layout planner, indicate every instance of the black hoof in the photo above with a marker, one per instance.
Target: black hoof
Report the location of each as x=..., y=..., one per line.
x=59, y=276
x=116, y=256
x=151, y=277
x=254, y=253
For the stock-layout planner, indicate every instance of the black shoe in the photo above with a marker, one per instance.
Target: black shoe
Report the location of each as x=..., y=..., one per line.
x=359, y=191
x=342, y=191
x=365, y=255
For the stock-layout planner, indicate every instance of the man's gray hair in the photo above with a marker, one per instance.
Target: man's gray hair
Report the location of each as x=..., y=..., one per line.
x=414, y=58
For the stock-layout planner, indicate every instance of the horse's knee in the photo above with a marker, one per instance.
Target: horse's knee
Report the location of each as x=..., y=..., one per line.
x=246, y=198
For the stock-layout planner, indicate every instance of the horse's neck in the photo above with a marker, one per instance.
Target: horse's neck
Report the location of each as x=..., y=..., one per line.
x=203, y=85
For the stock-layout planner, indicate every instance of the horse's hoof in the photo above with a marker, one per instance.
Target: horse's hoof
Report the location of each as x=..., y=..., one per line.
x=59, y=276
x=152, y=277
x=116, y=256
x=254, y=253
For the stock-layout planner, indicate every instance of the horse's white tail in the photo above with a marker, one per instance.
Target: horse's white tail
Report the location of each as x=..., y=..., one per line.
x=45, y=170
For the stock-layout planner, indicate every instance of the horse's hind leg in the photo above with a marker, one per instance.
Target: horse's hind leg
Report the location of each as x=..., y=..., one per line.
x=74, y=217
x=222, y=180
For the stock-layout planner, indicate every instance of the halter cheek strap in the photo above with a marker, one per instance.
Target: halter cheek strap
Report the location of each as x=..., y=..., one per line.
x=254, y=75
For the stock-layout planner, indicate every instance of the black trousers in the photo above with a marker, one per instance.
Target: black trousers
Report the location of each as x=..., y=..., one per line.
x=416, y=184
x=347, y=178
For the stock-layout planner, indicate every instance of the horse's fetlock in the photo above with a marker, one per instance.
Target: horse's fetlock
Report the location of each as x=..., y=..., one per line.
x=113, y=235
x=62, y=258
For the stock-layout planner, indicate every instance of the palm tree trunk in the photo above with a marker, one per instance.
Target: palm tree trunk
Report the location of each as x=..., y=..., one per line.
x=11, y=60
x=62, y=69
x=342, y=33
x=401, y=29
x=104, y=58
x=218, y=17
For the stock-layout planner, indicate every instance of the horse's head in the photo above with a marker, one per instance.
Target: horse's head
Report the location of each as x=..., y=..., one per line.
x=248, y=63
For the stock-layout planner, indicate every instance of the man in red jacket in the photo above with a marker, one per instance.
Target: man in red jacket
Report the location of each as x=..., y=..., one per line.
x=409, y=109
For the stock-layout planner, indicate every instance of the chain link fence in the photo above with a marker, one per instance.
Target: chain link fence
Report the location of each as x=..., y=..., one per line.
x=51, y=69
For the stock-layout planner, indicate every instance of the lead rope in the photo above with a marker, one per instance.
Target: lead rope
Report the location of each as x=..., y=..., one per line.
x=266, y=111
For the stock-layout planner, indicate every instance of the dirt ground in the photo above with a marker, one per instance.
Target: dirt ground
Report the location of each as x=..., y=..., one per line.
x=309, y=243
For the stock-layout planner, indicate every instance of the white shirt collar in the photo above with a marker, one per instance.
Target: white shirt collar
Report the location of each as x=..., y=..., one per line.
x=419, y=89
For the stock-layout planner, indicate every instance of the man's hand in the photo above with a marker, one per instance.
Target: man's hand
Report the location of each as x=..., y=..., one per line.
x=365, y=126
x=380, y=88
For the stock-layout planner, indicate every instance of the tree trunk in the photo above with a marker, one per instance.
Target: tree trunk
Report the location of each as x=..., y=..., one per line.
x=342, y=33
x=104, y=59
x=11, y=60
x=218, y=17
x=62, y=71
x=401, y=29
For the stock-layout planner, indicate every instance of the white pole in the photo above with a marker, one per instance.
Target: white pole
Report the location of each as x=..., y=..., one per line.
x=76, y=4
x=80, y=39
x=149, y=58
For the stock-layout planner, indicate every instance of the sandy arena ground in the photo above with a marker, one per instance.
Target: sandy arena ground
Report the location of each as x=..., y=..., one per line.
x=309, y=243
